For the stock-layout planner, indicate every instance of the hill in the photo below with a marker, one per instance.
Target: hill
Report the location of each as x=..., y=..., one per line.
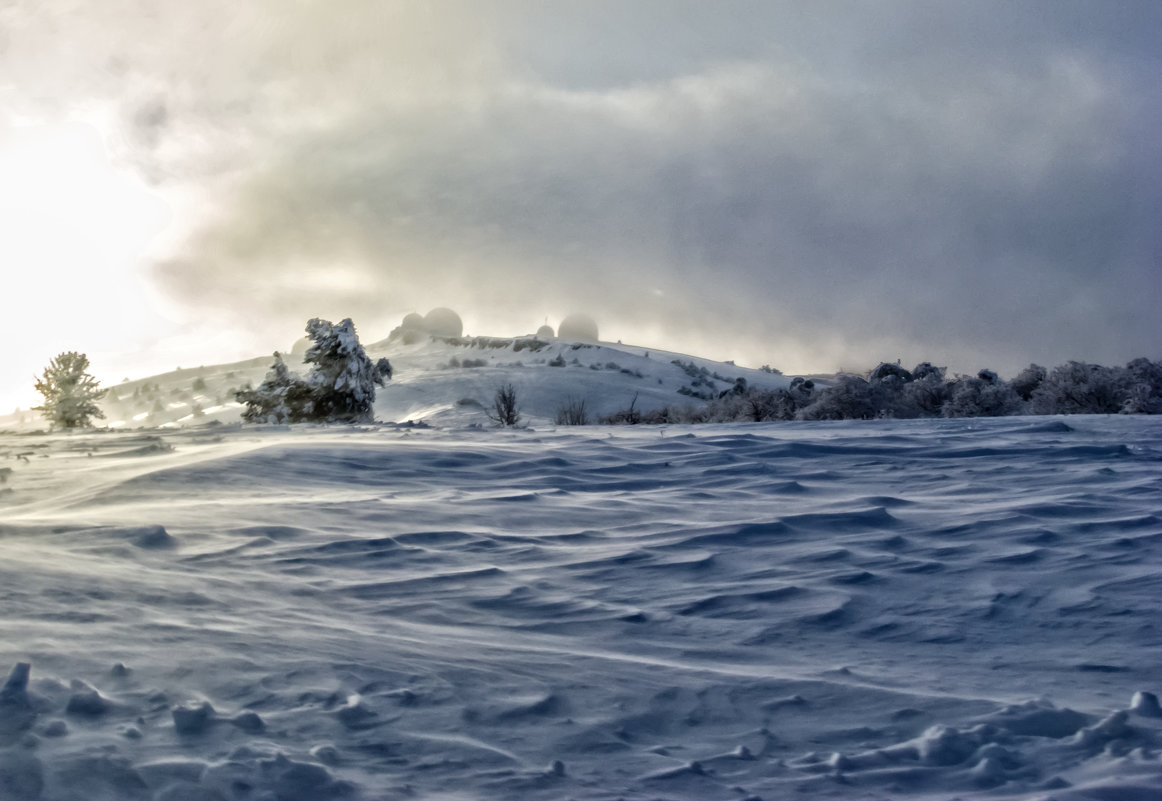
x=448, y=382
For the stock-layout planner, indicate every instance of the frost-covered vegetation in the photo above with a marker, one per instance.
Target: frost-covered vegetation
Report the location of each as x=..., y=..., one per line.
x=339, y=388
x=70, y=393
x=612, y=383
x=891, y=391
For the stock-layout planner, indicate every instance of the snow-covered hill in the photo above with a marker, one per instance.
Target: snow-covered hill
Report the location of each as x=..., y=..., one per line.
x=920, y=609
x=445, y=382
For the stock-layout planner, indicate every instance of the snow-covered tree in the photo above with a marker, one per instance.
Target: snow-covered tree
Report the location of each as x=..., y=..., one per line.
x=1081, y=388
x=1144, y=395
x=342, y=377
x=983, y=395
x=70, y=393
x=340, y=387
x=282, y=397
x=849, y=398
x=1027, y=381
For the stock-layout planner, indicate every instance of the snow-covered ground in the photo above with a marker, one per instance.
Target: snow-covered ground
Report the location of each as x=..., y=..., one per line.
x=889, y=609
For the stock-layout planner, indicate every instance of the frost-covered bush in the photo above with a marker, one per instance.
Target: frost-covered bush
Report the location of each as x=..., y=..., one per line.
x=926, y=370
x=851, y=397
x=1027, y=381
x=70, y=393
x=926, y=393
x=1080, y=388
x=1144, y=392
x=887, y=371
x=340, y=386
x=984, y=395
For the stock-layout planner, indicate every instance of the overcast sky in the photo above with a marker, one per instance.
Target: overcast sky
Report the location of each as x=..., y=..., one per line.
x=814, y=185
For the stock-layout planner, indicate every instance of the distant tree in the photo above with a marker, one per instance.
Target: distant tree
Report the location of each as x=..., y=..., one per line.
x=70, y=393
x=505, y=408
x=199, y=384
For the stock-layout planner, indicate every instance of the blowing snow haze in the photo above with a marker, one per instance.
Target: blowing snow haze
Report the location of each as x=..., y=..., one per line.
x=811, y=186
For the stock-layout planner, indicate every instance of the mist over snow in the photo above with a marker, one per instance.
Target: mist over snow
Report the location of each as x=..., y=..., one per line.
x=814, y=188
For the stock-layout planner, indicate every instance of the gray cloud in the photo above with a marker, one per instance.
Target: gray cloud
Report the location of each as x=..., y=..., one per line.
x=817, y=186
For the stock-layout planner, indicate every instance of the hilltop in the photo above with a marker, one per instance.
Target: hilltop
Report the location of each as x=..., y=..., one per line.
x=447, y=381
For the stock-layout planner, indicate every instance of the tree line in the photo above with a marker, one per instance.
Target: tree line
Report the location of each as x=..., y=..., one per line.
x=891, y=391
x=340, y=387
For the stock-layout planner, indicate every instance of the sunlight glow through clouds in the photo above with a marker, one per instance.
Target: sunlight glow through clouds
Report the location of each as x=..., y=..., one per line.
x=73, y=228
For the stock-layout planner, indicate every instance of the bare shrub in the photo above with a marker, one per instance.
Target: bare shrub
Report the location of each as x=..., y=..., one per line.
x=505, y=408
x=573, y=413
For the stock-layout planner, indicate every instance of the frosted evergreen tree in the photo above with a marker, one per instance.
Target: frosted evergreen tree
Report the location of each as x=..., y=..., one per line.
x=339, y=388
x=342, y=378
x=281, y=398
x=70, y=393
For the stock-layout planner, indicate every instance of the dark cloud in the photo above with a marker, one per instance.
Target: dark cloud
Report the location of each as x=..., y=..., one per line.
x=813, y=185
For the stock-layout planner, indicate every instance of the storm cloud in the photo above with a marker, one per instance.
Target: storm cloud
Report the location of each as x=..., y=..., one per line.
x=811, y=186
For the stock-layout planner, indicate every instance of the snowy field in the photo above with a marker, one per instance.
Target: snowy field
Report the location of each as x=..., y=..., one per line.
x=925, y=609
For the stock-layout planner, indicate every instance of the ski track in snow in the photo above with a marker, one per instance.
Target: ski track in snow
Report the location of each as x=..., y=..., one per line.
x=894, y=609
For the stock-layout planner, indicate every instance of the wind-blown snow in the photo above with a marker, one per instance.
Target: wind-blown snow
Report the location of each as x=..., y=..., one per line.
x=913, y=609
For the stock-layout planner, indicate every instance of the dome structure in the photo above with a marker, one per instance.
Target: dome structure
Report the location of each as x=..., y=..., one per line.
x=578, y=328
x=443, y=322
x=545, y=332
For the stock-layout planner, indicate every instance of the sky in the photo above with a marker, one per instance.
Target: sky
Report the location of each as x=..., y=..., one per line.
x=814, y=186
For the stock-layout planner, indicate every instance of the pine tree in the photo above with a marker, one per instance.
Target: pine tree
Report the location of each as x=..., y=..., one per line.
x=282, y=397
x=342, y=376
x=70, y=393
x=340, y=387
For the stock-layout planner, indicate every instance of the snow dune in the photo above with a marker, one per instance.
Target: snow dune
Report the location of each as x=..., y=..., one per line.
x=920, y=609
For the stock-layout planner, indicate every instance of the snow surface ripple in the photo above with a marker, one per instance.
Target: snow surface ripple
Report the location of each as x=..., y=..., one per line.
x=918, y=609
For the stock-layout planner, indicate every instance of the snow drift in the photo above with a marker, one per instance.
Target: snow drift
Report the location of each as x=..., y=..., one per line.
x=912, y=609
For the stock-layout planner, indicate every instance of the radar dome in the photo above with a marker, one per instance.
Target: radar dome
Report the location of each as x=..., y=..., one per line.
x=442, y=322
x=578, y=328
x=545, y=332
